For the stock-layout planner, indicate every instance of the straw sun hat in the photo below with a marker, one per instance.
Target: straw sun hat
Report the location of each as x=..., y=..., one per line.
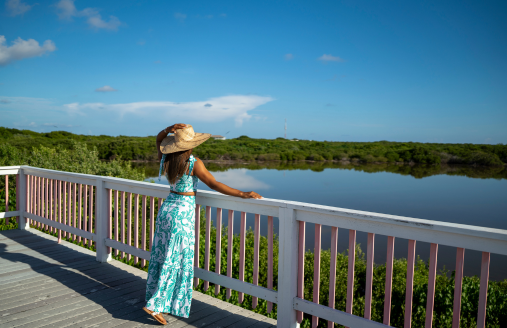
x=183, y=139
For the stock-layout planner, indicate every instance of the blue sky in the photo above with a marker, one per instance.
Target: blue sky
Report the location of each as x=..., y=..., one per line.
x=336, y=70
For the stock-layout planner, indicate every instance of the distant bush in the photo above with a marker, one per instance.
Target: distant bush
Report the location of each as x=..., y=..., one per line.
x=246, y=148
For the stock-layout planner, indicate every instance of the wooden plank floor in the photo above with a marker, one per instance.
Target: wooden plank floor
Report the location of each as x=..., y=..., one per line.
x=45, y=284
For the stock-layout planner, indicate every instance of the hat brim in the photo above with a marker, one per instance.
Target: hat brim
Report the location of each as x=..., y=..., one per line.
x=169, y=144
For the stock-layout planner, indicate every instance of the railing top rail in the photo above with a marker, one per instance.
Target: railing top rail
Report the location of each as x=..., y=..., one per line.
x=10, y=167
x=375, y=218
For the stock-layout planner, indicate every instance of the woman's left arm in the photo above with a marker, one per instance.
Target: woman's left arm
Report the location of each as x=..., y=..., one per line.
x=162, y=134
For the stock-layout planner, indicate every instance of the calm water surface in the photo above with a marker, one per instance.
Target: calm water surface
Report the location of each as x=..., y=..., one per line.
x=452, y=194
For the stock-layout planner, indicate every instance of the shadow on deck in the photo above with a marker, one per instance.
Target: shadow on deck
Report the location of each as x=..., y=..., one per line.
x=45, y=284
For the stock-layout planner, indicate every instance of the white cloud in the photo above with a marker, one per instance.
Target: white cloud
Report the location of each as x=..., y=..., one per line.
x=180, y=16
x=240, y=179
x=236, y=178
x=329, y=58
x=16, y=7
x=228, y=107
x=23, y=49
x=66, y=10
x=97, y=22
x=289, y=56
x=105, y=88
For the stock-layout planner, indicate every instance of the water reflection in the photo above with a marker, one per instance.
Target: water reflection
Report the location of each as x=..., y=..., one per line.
x=416, y=171
x=238, y=178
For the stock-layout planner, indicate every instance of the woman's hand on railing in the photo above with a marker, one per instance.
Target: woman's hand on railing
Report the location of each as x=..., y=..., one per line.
x=250, y=194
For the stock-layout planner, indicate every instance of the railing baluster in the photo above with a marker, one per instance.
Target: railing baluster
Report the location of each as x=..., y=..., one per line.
x=242, y=238
x=39, y=199
x=207, y=244
x=152, y=221
x=230, y=241
x=432, y=273
x=129, y=222
x=90, y=220
x=350, y=276
x=51, y=204
x=257, y=232
x=270, y=259
x=136, y=225
x=143, y=205
x=65, y=211
x=74, y=195
x=80, y=208
x=109, y=217
x=116, y=219
x=332, y=271
x=60, y=210
x=369, y=275
x=69, y=207
x=85, y=213
x=27, y=200
x=197, y=240
x=46, y=202
x=218, y=247
x=301, y=268
x=389, y=280
x=483, y=293
x=458, y=284
x=32, y=197
x=316, y=271
x=410, y=283
x=123, y=222
x=41, y=203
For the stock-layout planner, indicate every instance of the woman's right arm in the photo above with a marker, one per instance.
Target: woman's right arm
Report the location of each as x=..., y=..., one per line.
x=205, y=176
x=162, y=134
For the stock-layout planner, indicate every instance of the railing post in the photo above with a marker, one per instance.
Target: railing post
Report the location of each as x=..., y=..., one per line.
x=21, y=194
x=101, y=219
x=287, y=268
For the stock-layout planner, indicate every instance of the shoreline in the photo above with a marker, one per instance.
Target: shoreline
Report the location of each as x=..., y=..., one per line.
x=344, y=162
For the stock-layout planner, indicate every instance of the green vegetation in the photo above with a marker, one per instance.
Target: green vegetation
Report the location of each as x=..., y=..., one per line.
x=79, y=158
x=247, y=149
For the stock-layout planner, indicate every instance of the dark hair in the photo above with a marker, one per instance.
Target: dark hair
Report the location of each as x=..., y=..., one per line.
x=176, y=165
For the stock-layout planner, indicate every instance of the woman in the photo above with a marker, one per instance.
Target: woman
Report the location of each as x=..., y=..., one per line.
x=171, y=269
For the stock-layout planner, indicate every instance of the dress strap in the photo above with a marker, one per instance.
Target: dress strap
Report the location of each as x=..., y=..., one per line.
x=191, y=166
x=161, y=166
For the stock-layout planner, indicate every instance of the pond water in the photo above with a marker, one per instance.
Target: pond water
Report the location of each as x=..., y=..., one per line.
x=466, y=195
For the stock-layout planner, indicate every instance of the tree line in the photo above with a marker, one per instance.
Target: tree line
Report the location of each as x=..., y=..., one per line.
x=248, y=149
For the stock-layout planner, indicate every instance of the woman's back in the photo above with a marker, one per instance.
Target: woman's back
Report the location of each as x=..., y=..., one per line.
x=187, y=183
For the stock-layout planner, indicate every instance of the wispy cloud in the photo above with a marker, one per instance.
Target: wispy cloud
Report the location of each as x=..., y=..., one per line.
x=289, y=56
x=180, y=16
x=66, y=10
x=212, y=110
x=21, y=49
x=223, y=15
x=329, y=58
x=105, y=88
x=16, y=7
x=240, y=179
x=5, y=101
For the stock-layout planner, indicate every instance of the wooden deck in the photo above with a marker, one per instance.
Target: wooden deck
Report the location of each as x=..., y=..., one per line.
x=45, y=284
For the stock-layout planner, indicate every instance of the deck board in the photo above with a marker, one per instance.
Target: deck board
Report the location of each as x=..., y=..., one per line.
x=45, y=284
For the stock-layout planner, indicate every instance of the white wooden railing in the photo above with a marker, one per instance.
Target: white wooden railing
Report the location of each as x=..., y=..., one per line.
x=42, y=197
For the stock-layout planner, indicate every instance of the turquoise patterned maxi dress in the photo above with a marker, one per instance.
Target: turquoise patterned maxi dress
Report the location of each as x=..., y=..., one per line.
x=171, y=268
